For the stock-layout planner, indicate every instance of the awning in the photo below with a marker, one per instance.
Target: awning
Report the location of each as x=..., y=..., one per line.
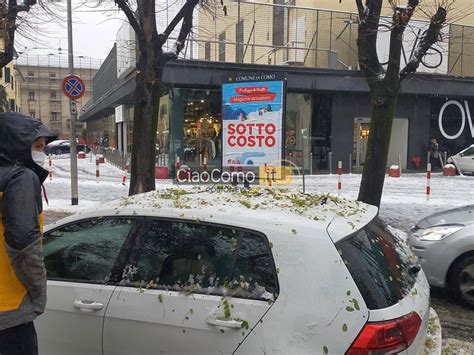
x=116, y=96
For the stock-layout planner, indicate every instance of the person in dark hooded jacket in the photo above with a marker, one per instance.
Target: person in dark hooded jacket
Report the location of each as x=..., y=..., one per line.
x=22, y=269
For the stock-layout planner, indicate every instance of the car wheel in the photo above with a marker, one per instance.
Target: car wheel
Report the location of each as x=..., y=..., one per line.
x=462, y=280
x=59, y=152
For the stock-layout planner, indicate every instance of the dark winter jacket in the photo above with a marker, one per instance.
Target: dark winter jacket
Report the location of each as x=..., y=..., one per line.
x=22, y=270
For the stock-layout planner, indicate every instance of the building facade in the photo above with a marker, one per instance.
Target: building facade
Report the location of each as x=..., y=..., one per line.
x=10, y=81
x=327, y=106
x=323, y=34
x=42, y=96
x=9, y=77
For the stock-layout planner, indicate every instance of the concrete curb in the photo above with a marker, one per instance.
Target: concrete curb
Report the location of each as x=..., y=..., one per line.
x=433, y=343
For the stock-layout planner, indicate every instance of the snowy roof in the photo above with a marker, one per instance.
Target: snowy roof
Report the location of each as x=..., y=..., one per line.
x=245, y=207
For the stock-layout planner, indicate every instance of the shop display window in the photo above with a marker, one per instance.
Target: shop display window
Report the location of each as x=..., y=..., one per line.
x=202, y=128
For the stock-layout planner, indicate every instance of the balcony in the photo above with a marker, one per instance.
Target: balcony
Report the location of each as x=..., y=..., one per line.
x=308, y=37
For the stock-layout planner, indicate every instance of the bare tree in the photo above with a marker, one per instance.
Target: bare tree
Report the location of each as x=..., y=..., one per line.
x=385, y=85
x=141, y=15
x=10, y=11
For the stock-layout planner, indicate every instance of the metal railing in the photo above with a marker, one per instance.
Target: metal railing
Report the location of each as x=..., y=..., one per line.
x=115, y=157
x=262, y=33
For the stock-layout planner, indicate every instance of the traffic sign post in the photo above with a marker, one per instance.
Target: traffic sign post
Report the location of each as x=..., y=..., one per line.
x=73, y=107
x=73, y=87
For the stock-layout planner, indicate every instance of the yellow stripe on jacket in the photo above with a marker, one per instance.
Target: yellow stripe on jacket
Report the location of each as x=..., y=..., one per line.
x=12, y=290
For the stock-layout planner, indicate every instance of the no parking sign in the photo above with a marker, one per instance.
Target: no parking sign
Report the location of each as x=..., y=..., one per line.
x=73, y=87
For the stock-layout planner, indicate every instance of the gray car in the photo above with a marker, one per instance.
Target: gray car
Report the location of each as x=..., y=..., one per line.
x=444, y=244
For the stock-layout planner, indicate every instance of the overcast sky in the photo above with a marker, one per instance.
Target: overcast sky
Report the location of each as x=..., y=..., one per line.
x=94, y=34
x=95, y=29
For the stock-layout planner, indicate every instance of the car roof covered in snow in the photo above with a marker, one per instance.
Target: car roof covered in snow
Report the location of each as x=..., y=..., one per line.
x=248, y=208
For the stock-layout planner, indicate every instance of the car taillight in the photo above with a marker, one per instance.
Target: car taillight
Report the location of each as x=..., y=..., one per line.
x=388, y=337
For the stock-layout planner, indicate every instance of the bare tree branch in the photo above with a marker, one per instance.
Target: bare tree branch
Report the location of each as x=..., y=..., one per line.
x=429, y=37
x=367, y=40
x=10, y=28
x=125, y=7
x=189, y=6
x=361, y=8
x=401, y=18
x=185, y=29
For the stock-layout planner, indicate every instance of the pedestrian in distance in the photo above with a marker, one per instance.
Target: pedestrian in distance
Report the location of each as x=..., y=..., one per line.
x=434, y=154
x=22, y=269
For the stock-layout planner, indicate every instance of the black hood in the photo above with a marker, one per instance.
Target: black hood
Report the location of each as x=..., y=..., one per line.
x=17, y=135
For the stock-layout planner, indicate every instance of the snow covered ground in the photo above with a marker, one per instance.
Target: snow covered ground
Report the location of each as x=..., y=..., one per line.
x=404, y=200
x=403, y=203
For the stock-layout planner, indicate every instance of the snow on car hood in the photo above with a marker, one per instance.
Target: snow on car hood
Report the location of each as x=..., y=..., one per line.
x=269, y=205
x=460, y=215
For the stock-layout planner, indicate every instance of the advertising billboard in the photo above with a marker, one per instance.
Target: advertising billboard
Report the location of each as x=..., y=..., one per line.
x=252, y=115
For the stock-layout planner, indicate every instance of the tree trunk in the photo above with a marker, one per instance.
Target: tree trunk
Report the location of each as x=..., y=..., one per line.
x=145, y=111
x=383, y=109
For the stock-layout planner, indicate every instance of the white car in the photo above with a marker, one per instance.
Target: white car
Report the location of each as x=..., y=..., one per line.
x=255, y=271
x=464, y=160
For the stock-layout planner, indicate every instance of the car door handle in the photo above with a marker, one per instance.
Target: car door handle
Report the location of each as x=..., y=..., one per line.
x=88, y=305
x=227, y=323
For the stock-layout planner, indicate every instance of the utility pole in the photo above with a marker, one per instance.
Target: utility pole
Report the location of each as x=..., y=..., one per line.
x=73, y=112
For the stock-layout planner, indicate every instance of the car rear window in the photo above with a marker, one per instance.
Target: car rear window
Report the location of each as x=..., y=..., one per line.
x=379, y=263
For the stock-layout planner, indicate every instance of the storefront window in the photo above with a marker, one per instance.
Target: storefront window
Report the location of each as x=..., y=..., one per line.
x=321, y=128
x=452, y=133
x=163, y=132
x=202, y=126
x=298, y=136
x=129, y=123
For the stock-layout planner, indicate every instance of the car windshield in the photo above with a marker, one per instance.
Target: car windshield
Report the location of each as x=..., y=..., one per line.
x=379, y=263
x=468, y=152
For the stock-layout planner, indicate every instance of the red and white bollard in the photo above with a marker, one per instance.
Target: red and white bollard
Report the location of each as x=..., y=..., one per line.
x=428, y=181
x=267, y=175
x=205, y=164
x=50, y=169
x=124, y=176
x=339, y=177
x=97, y=169
x=178, y=162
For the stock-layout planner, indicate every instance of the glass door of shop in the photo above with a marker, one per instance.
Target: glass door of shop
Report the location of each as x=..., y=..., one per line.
x=361, y=137
x=398, y=149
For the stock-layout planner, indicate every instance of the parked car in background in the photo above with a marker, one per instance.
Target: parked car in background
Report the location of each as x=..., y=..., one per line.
x=464, y=160
x=63, y=147
x=211, y=272
x=444, y=244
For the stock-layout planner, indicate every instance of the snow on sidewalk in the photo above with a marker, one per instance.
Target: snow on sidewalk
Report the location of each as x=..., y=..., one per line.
x=403, y=203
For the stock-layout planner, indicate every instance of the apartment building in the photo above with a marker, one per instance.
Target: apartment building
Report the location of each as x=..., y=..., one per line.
x=42, y=96
x=9, y=77
x=10, y=81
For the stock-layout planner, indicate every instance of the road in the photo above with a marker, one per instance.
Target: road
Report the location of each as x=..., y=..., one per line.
x=456, y=321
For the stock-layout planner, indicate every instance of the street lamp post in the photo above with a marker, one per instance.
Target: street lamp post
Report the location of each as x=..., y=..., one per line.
x=73, y=147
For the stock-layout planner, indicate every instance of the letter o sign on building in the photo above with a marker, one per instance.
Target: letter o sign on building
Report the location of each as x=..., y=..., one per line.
x=463, y=119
